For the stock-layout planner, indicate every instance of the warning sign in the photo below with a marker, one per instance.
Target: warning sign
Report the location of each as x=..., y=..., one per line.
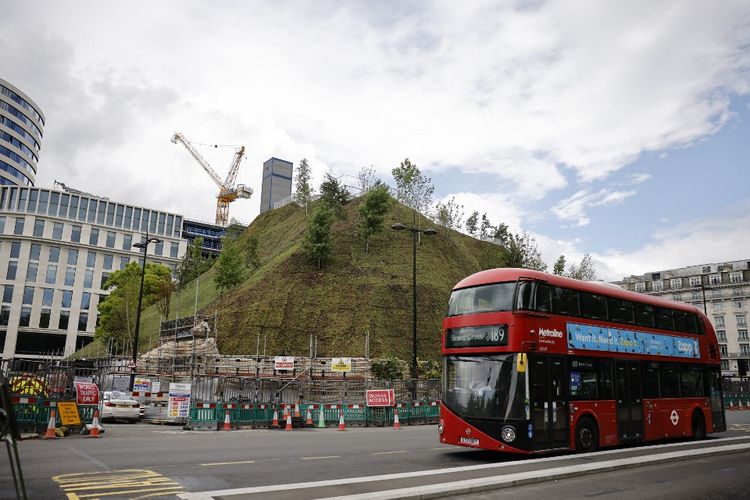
x=179, y=400
x=341, y=364
x=283, y=363
x=86, y=393
x=381, y=397
x=69, y=415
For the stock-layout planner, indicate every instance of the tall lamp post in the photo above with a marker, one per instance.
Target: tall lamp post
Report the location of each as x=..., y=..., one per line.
x=414, y=232
x=703, y=289
x=144, y=246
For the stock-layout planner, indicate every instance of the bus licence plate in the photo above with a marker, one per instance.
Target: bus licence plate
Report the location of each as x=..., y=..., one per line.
x=469, y=441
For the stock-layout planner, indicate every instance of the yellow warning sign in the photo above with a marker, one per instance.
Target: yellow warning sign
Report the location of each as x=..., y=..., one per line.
x=341, y=364
x=69, y=416
x=521, y=362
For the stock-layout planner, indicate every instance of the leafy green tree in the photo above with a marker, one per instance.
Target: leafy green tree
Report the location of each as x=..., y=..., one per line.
x=334, y=195
x=391, y=368
x=118, y=311
x=428, y=368
x=372, y=212
x=484, y=228
x=583, y=271
x=230, y=267
x=413, y=189
x=559, y=268
x=193, y=263
x=471, y=223
x=303, y=192
x=449, y=214
x=368, y=179
x=522, y=251
x=317, y=242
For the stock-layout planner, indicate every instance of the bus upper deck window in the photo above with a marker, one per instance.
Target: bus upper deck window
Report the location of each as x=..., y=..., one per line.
x=543, y=298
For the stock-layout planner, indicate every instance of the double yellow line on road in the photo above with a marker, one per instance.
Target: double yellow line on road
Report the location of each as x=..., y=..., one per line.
x=134, y=483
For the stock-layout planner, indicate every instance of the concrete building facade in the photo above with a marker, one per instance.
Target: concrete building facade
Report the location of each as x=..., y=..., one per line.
x=721, y=290
x=21, y=130
x=57, y=248
x=277, y=184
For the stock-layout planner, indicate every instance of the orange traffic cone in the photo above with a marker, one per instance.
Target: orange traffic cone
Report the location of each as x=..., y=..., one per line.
x=296, y=410
x=275, y=421
x=94, y=432
x=308, y=420
x=50, y=434
x=288, y=422
x=227, y=424
x=396, y=423
x=342, y=426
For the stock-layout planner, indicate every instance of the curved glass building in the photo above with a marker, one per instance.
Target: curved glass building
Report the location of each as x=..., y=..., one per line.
x=21, y=130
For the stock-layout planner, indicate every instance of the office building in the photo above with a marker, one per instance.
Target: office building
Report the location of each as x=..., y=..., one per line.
x=721, y=290
x=21, y=127
x=276, y=189
x=57, y=248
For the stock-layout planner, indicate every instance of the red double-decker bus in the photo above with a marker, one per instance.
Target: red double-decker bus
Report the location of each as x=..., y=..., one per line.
x=535, y=362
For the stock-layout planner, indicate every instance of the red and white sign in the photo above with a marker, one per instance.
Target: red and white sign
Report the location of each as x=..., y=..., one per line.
x=86, y=393
x=381, y=397
x=283, y=363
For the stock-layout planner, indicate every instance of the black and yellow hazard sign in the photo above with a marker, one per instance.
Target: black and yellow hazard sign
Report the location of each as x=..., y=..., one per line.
x=27, y=385
x=127, y=483
x=69, y=415
x=341, y=364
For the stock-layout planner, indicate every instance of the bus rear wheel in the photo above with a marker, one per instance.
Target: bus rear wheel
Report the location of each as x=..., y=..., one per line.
x=698, y=425
x=587, y=435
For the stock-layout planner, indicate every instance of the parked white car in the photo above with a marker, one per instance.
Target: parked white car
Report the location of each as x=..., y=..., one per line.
x=120, y=406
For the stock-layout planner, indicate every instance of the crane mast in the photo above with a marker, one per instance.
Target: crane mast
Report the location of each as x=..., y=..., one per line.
x=228, y=192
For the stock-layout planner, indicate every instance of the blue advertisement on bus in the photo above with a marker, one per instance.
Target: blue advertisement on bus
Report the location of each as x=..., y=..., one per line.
x=596, y=338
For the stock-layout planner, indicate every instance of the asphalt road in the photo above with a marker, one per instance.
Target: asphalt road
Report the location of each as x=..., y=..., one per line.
x=142, y=459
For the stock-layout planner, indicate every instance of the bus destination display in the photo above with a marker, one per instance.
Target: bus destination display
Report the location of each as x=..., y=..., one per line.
x=477, y=336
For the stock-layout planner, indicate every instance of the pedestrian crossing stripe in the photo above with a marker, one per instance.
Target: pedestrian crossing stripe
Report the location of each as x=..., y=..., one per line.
x=133, y=483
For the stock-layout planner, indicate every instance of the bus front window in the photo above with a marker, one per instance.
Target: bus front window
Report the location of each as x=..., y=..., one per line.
x=486, y=298
x=485, y=387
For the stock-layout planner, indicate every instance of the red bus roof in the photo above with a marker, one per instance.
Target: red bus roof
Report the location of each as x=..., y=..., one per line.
x=512, y=274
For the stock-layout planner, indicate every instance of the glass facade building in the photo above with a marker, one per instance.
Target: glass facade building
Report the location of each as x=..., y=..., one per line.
x=21, y=130
x=57, y=249
x=277, y=184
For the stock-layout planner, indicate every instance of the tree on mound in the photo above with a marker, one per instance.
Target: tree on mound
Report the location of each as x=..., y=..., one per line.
x=317, y=243
x=230, y=267
x=372, y=212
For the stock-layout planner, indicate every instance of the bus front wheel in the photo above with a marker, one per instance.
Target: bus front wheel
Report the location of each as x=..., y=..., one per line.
x=698, y=425
x=587, y=435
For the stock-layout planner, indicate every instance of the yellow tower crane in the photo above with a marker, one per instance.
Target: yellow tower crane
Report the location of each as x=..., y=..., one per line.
x=228, y=192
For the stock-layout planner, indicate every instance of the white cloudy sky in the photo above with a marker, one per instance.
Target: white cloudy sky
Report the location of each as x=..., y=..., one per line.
x=615, y=129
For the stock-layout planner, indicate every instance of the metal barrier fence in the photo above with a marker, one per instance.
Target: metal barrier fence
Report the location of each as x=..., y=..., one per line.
x=33, y=414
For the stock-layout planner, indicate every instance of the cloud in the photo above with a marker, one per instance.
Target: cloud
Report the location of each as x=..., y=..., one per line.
x=574, y=208
x=639, y=177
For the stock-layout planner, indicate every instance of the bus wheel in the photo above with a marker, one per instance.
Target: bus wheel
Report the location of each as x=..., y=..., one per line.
x=698, y=425
x=587, y=435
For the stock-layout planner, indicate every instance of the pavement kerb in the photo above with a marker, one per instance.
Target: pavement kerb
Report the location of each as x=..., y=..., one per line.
x=539, y=476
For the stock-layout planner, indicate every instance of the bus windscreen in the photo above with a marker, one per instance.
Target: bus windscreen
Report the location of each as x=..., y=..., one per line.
x=487, y=298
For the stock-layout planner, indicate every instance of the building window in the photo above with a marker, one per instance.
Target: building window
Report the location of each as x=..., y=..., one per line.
x=723, y=351
x=2, y=224
x=657, y=286
x=124, y=261
x=15, y=249
x=640, y=287
x=735, y=277
x=48, y=296
x=4, y=315
x=12, y=268
x=127, y=242
x=44, y=318
x=718, y=306
x=107, y=261
x=110, y=239
x=62, y=323
x=54, y=254
x=675, y=283
x=28, y=295
x=34, y=251
x=741, y=320
x=25, y=316
x=719, y=321
x=722, y=335
x=75, y=234
x=90, y=259
x=742, y=335
x=105, y=277
x=714, y=279
x=159, y=248
x=8, y=294
x=39, y=228
x=85, y=300
x=173, y=250
x=695, y=280
x=88, y=278
x=83, y=319
x=51, y=274
x=745, y=349
x=72, y=257
x=31, y=271
x=738, y=292
x=94, y=237
x=19, y=225
x=67, y=299
x=70, y=276
x=57, y=230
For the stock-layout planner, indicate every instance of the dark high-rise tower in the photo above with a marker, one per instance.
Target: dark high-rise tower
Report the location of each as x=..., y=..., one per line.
x=277, y=183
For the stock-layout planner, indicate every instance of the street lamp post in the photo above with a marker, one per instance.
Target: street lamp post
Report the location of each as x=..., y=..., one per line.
x=703, y=289
x=414, y=232
x=144, y=246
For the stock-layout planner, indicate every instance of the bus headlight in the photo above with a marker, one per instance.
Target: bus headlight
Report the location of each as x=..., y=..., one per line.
x=441, y=427
x=508, y=433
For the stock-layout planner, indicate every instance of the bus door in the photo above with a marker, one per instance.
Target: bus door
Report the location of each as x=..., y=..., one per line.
x=629, y=406
x=549, y=402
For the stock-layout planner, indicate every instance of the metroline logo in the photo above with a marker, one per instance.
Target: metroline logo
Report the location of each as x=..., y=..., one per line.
x=544, y=332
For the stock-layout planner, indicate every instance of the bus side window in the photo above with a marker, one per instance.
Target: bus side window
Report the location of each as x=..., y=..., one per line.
x=605, y=379
x=669, y=375
x=664, y=318
x=524, y=299
x=566, y=301
x=543, y=298
x=691, y=377
x=650, y=372
x=593, y=306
